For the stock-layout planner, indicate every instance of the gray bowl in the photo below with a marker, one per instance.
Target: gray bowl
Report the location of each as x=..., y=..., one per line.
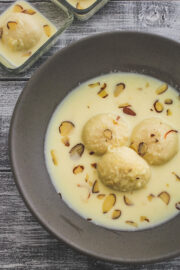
x=119, y=51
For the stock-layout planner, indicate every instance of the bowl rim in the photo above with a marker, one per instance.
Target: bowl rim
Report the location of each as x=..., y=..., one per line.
x=22, y=192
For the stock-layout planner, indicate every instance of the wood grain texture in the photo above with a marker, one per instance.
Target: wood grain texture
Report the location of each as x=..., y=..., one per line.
x=24, y=244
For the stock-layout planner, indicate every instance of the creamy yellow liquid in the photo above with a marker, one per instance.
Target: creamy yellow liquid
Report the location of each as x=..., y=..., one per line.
x=79, y=106
x=17, y=58
x=81, y=4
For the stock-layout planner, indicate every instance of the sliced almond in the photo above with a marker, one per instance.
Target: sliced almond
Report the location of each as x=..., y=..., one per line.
x=142, y=148
x=18, y=8
x=92, y=85
x=177, y=176
x=66, y=127
x=65, y=141
x=101, y=196
x=150, y=197
x=47, y=30
x=168, y=101
x=116, y=214
x=11, y=25
x=170, y=131
x=158, y=106
x=164, y=196
x=76, y=151
x=132, y=223
x=177, y=205
x=144, y=218
x=108, y=203
x=54, y=158
x=161, y=89
x=129, y=111
x=127, y=201
x=78, y=169
x=95, y=188
x=29, y=11
x=1, y=32
x=119, y=89
x=78, y=6
x=168, y=112
x=107, y=134
x=94, y=165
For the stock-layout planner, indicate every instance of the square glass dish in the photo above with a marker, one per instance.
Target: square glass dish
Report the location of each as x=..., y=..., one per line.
x=12, y=48
x=82, y=12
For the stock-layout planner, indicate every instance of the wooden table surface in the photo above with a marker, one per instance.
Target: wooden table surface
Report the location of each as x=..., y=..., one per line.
x=24, y=244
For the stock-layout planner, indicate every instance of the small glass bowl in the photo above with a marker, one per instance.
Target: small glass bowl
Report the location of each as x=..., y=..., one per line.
x=83, y=14
x=60, y=16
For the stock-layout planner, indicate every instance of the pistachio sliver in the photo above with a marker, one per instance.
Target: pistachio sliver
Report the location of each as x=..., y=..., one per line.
x=131, y=223
x=29, y=11
x=161, y=89
x=144, y=218
x=47, y=30
x=168, y=112
x=54, y=157
x=11, y=25
x=101, y=196
x=127, y=201
x=142, y=148
x=158, y=106
x=92, y=85
x=168, y=101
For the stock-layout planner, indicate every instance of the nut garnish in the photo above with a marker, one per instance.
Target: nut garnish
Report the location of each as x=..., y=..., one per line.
x=60, y=195
x=168, y=101
x=108, y=203
x=119, y=89
x=127, y=201
x=128, y=111
x=144, y=218
x=89, y=219
x=18, y=8
x=158, y=106
x=95, y=188
x=170, y=131
x=29, y=11
x=177, y=205
x=76, y=151
x=101, y=196
x=66, y=128
x=177, y=176
x=161, y=89
x=147, y=84
x=1, y=32
x=168, y=112
x=78, y=6
x=94, y=165
x=54, y=158
x=47, y=30
x=91, y=153
x=107, y=134
x=150, y=197
x=124, y=105
x=65, y=141
x=116, y=214
x=27, y=54
x=165, y=197
x=94, y=84
x=142, y=149
x=132, y=223
x=102, y=92
x=78, y=169
x=11, y=25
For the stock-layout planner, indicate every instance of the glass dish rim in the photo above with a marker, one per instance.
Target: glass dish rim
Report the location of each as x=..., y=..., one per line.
x=66, y=23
